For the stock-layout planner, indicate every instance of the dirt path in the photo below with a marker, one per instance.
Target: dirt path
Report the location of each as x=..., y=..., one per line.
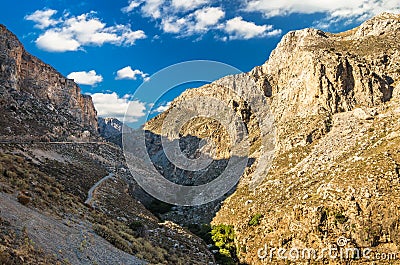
x=74, y=242
x=92, y=189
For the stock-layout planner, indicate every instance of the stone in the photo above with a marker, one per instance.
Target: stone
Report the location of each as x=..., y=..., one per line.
x=39, y=95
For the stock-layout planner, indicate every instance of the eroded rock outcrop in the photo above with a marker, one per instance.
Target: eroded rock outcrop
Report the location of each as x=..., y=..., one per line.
x=39, y=110
x=334, y=101
x=36, y=100
x=334, y=98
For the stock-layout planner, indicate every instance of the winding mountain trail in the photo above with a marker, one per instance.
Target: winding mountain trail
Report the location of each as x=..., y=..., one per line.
x=93, y=188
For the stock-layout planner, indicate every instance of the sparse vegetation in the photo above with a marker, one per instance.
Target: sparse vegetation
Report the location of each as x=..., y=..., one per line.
x=41, y=187
x=122, y=238
x=135, y=225
x=16, y=248
x=224, y=237
x=255, y=220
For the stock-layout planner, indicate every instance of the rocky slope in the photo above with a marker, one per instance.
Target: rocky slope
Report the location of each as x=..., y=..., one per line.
x=50, y=158
x=335, y=143
x=334, y=98
x=322, y=122
x=37, y=101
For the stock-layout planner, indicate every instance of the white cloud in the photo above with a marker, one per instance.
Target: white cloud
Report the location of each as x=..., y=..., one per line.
x=71, y=33
x=173, y=24
x=274, y=33
x=237, y=28
x=162, y=108
x=152, y=8
x=112, y=106
x=335, y=9
x=201, y=20
x=188, y=5
x=43, y=18
x=56, y=41
x=86, y=78
x=207, y=16
x=132, y=5
x=157, y=9
x=130, y=37
x=185, y=18
x=129, y=73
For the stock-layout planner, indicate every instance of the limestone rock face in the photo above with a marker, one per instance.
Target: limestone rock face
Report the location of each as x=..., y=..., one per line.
x=37, y=100
x=333, y=99
x=38, y=105
x=316, y=74
x=379, y=25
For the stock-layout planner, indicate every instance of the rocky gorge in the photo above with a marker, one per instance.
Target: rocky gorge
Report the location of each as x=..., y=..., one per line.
x=322, y=123
x=334, y=172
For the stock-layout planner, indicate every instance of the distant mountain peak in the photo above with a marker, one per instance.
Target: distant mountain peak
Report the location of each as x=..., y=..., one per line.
x=109, y=127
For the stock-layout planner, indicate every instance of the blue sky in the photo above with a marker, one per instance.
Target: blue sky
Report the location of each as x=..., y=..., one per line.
x=111, y=47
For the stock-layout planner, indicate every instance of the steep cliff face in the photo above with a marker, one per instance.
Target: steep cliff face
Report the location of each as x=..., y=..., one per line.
x=334, y=98
x=316, y=74
x=334, y=103
x=36, y=99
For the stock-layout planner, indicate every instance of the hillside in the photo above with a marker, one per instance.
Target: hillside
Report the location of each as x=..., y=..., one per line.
x=317, y=126
x=326, y=167
x=56, y=206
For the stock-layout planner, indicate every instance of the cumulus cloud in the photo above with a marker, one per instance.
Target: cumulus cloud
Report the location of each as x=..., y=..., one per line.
x=128, y=73
x=237, y=28
x=207, y=16
x=131, y=6
x=56, y=41
x=201, y=20
x=42, y=18
x=71, y=33
x=149, y=8
x=112, y=106
x=335, y=9
x=173, y=24
x=188, y=5
x=90, y=78
x=185, y=18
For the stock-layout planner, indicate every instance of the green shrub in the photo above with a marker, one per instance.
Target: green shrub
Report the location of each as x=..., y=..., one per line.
x=224, y=237
x=112, y=237
x=136, y=225
x=255, y=220
x=10, y=174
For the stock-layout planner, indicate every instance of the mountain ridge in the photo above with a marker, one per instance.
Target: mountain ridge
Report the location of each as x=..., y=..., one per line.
x=24, y=79
x=52, y=160
x=327, y=169
x=334, y=99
